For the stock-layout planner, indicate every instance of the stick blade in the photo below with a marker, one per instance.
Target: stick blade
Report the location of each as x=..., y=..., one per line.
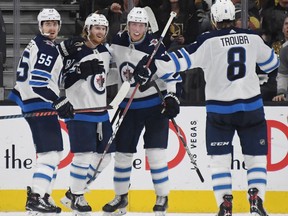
x=152, y=20
x=124, y=89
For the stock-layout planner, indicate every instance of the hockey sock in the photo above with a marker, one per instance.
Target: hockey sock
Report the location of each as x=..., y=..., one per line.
x=78, y=172
x=221, y=176
x=257, y=173
x=122, y=172
x=159, y=170
x=51, y=186
x=45, y=167
x=95, y=161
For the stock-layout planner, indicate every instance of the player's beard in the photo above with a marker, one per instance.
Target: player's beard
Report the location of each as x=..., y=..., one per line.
x=96, y=39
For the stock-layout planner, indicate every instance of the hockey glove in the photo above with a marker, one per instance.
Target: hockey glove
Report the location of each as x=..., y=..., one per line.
x=64, y=108
x=142, y=75
x=70, y=46
x=91, y=67
x=170, y=106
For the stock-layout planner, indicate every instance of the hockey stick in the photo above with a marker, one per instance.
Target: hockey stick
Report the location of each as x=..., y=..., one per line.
x=191, y=156
x=152, y=20
x=121, y=117
x=114, y=103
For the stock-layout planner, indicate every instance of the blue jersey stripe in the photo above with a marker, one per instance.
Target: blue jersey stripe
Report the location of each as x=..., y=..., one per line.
x=226, y=109
x=175, y=60
x=41, y=73
x=142, y=104
x=189, y=63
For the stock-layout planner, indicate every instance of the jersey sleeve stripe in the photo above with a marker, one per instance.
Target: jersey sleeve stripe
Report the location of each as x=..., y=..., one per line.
x=37, y=83
x=41, y=73
x=186, y=56
x=269, y=60
x=175, y=60
x=273, y=67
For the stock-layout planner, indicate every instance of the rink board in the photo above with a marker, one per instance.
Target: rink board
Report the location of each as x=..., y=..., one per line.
x=188, y=193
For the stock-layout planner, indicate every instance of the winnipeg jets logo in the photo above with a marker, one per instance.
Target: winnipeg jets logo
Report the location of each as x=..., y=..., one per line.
x=126, y=72
x=100, y=80
x=98, y=83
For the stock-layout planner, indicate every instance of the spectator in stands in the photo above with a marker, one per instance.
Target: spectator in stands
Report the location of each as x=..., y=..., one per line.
x=37, y=90
x=253, y=21
x=184, y=28
x=203, y=14
x=116, y=13
x=273, y=18
x=282, y=77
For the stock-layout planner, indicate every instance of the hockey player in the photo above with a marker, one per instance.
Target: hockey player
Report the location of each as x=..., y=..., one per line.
x=37, y=89
x=228, y=56
x=128, y=47
x=85, y=77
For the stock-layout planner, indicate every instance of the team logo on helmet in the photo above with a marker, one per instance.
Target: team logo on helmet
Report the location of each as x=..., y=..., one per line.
x=138, y=14
x=47, y=14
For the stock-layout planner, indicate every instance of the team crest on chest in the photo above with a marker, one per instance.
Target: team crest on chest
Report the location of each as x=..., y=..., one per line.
x=126, y=72
x=98, y=83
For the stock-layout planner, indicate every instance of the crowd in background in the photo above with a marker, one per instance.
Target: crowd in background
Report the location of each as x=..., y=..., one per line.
x=266, y=17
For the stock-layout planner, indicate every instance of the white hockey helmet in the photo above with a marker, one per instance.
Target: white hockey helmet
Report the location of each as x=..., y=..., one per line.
x=48, y=14
x=96, y=19
x=138, y=14
x=222, y=10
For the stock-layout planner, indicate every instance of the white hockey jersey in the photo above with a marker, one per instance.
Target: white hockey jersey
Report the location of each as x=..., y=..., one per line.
x=37, y=75
x=126, y=55
x=91, y=92
x=228, y=58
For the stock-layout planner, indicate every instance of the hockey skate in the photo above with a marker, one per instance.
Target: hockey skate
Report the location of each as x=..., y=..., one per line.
x=161, y=206
x=256, y=204
x=117, y=206
x=49, y=201
x=226, y=206
x=67, y=199
x=37, y=206
x=79, y=205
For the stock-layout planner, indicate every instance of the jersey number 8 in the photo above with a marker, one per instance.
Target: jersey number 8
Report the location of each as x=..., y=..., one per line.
x=236, y=63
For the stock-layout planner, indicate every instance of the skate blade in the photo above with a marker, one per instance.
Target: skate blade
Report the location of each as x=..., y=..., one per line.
x=34, y=213
x=160, y=213
x=76, y=213
x=66, y=202
x=119, y=212
x=254, y=214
